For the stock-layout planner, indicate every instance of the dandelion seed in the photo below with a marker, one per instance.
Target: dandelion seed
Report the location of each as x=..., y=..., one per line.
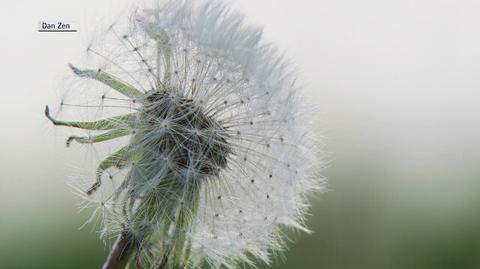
x=207, y=108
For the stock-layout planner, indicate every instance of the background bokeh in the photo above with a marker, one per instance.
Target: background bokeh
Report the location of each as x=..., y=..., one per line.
x=398, y=90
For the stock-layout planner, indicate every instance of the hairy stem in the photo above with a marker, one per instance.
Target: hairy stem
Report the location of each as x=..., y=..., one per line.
x=121, y=252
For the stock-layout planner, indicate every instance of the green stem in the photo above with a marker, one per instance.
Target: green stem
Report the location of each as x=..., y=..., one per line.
x=121, y=252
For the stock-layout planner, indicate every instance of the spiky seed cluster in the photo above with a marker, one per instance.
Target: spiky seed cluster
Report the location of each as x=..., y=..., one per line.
x=194, y=140
x=219, y=154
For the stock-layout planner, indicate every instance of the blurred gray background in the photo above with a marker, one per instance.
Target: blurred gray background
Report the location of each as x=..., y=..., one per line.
x=398, y=89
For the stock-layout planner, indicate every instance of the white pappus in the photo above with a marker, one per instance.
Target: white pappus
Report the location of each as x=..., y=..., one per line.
x=218, y=152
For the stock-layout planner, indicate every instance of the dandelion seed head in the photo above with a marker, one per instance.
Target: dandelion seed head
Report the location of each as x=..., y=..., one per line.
x=220, y=154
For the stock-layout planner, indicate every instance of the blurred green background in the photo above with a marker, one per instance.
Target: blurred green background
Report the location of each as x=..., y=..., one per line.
x=398, y=91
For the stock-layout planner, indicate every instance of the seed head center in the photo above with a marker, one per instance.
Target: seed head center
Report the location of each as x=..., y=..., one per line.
x=192, y=140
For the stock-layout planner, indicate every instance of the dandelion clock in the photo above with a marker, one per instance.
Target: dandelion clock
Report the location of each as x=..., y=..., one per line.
x=211, y=154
